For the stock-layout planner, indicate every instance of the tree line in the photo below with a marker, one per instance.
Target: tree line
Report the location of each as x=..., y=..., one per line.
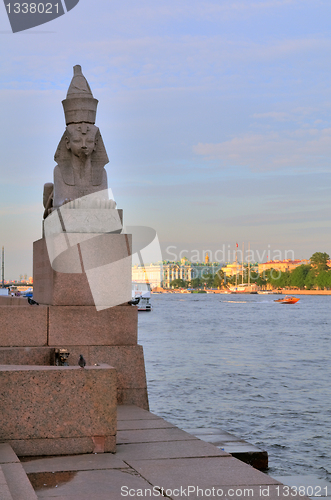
x=317, y=274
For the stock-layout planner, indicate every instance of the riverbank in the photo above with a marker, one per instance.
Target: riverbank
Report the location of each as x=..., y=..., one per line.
x=306, y=292
x=283, y=291
x=153, y=459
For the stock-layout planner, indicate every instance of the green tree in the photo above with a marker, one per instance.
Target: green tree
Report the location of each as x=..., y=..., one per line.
x=278, y=279
x=323, y=279
x=298, y=276
x=319, y=260
x=219, y=279
x=207, y=280
x=310, y=281
x=258, y=278
x=178, y=283
x=197, y=282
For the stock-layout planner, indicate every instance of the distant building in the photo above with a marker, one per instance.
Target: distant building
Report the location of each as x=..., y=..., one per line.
x=231, y=269
x=163, y=273
x=282, y=265
x=152, y=274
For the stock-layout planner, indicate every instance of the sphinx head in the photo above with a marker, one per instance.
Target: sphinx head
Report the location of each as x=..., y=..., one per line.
x=81, y=139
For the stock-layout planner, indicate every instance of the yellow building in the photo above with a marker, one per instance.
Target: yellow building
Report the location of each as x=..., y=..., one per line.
x=231, y=269
x=282, y=265
x=152, y=274
x=162, y=274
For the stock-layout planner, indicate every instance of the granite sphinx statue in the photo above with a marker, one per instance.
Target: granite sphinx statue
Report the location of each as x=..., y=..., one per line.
x=80, y=155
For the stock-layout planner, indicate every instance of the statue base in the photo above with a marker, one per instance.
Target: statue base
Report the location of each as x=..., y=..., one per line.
x=52, y=410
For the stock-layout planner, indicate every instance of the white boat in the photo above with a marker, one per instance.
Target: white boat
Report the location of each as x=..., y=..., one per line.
x=244, y=288
x=143, y=292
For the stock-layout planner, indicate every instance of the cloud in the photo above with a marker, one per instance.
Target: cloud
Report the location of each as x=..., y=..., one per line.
x=267, y=219
x=300, y=149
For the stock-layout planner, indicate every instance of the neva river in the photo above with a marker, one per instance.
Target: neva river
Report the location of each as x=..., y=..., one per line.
x=248, y=365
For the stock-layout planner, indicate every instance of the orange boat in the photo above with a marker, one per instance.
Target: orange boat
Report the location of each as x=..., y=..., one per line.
x=287, y=300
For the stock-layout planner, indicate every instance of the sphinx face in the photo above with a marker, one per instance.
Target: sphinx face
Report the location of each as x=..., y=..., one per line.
x=81, y=139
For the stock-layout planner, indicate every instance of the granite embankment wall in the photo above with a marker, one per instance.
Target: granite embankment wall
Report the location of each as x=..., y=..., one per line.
x=307, y=292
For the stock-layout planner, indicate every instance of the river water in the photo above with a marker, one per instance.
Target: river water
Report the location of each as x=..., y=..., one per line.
x=247, y=365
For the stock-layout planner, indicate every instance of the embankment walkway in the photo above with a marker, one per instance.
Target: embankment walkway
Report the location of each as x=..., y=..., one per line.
x=154, y=459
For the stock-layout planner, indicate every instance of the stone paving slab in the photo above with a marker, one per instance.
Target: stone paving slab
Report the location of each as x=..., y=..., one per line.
x=18, y=483
x=4, y=489
x=239, y=448
x=153, y=458
x=75, y=463
x=152, y=435
x=132, y=412
x=89, y=485
x=155, y=423
x=170, y=449
x=216, y=439
x=7, y=454
x=174, y=473
x=208, y=431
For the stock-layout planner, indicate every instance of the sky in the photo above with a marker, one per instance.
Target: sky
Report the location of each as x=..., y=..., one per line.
x=216, y=117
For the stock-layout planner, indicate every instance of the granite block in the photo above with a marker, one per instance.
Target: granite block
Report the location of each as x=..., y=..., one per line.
x=128, y=361
x=18, y=482
x=7, y=454
x=4, y=489
x=60, y=446
x=51, y=287
x=129, y=366
x=157, y=423
x=257, y=459
x=211, y=431
x=27, y=356
x=169, y=449
x=135, y=396
x=13, y=301
x=133, y=412
x=153, y=435
x=89, y=485
x=23, y=326
x=91, y=270
x=216, y=439
x=51, y=403
x=83, y=325
x=203, y=472
x=91, y=220
x=74, y=463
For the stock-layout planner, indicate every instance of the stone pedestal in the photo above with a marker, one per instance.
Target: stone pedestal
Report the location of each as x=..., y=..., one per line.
x=48, y=410
x=79, y=317
x=107, y=336
x=95, y=272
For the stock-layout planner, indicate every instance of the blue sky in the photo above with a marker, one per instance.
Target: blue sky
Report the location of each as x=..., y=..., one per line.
x=216, y=117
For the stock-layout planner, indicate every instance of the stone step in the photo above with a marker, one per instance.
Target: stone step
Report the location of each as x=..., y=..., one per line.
x=237, y=447
x=14, y=483
x=4, y=489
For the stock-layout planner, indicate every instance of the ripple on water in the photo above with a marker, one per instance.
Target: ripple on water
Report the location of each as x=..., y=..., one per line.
x=251, y=367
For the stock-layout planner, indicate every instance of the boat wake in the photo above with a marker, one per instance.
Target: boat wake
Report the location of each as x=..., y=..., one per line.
x=236, y=301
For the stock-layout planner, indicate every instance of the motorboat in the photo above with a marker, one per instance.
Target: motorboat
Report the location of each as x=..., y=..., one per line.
x=141, y=291
x=288, y=300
